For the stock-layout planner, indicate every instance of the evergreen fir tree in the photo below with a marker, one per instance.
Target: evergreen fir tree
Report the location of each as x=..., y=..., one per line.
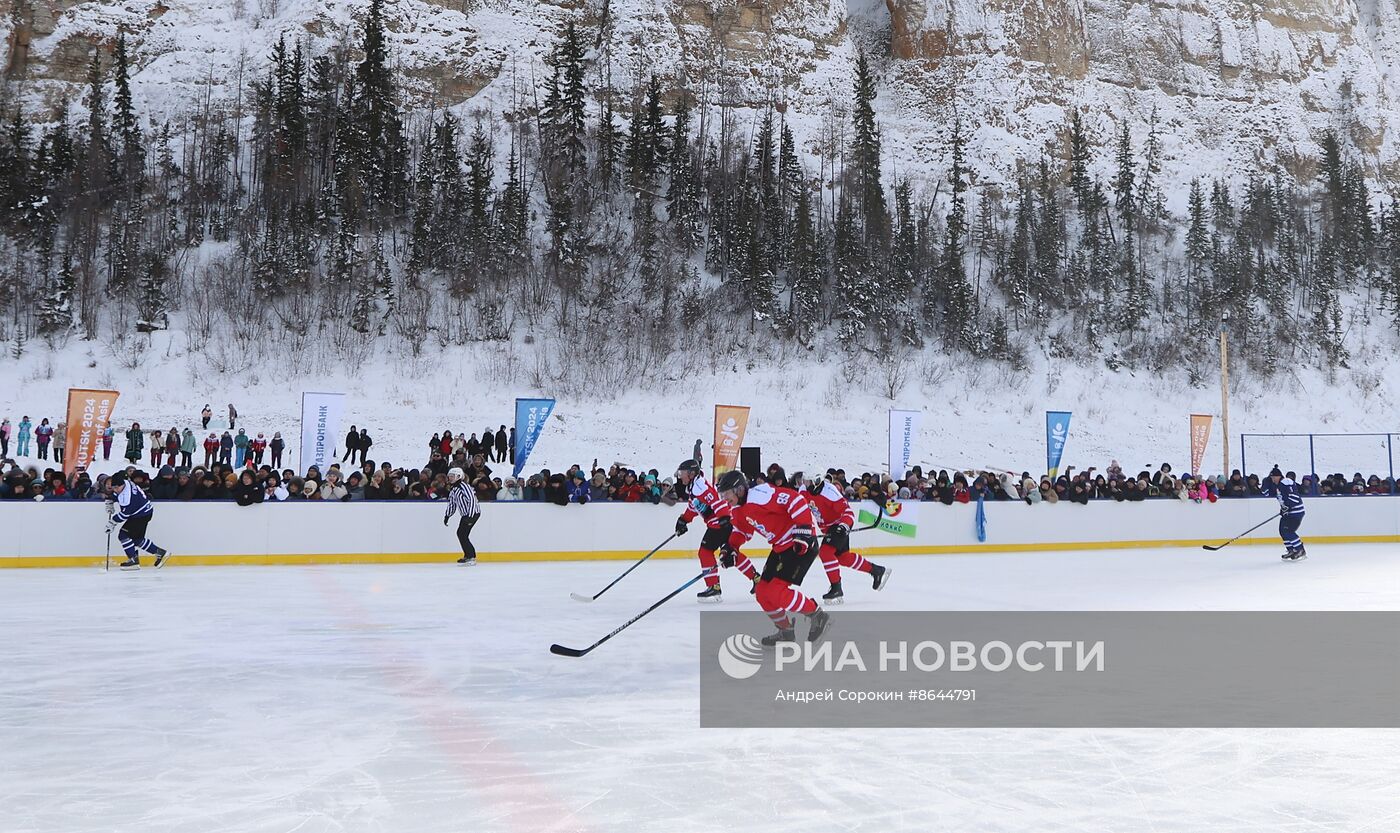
x=865, y=157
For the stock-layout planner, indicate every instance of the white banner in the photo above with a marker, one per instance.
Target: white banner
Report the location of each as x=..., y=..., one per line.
x=320, y=428
x=904, y=427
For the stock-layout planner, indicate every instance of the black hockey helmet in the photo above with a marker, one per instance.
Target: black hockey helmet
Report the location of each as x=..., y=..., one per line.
x=117, y=478
x=730, y=480
x=689, y=464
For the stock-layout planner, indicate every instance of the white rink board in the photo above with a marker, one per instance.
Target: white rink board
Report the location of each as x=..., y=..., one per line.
x=58, y=533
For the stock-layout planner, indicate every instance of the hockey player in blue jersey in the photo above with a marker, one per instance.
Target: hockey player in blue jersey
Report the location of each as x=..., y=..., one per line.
x=133, y=512
x=1290, y=501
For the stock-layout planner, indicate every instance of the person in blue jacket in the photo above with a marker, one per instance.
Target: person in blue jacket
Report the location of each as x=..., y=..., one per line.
x=578, y=488
x=1290, y=500
x=25, y=427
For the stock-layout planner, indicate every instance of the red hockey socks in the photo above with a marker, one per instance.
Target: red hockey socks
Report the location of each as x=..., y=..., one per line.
x=854, y=561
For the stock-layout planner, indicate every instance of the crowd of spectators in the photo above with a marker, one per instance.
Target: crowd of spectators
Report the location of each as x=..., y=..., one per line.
x=248, y=470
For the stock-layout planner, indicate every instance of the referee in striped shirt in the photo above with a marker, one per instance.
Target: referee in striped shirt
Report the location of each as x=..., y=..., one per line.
x=462, y=500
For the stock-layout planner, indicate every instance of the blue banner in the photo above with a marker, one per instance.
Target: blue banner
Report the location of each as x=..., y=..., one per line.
x=1056, y=432
x=981, y=521
x=530, y=415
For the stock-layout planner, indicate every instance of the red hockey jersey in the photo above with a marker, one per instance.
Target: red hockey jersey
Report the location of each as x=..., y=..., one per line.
x=776, y=513
x=703, y=500
x=831, y=507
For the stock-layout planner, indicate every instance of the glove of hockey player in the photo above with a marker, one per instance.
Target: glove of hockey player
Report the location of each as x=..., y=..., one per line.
x=726, y=557
x=839, y=529
x=112, y=523
x=681, y=526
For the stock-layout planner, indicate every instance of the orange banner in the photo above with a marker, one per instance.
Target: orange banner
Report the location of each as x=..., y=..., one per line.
x=1200, y=438
x=89, y=412
x=730, y=422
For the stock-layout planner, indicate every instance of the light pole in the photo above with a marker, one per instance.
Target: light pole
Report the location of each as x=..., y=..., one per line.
x=1225, y=392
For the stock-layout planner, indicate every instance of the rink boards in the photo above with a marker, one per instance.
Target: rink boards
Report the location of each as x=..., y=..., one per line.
x=56, y=534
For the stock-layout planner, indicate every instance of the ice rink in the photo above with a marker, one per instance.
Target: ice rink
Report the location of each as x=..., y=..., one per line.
x=423, y=699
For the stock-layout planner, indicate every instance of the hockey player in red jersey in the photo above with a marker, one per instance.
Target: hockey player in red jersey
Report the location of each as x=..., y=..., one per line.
x=702, y=500
x=835, y=517
x=783, y=517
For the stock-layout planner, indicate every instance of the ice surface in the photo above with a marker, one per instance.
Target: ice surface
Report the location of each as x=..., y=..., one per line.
x=423, y=699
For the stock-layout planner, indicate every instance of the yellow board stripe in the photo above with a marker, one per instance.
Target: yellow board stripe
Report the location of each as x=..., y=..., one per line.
x=620, y=555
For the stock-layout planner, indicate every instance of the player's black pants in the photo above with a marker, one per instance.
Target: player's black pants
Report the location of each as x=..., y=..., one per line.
x=464, y=535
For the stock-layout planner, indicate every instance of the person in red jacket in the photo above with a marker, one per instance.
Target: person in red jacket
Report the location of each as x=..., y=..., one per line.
x=630, y=491
x=835, y=517
x=784, y=518
x=259, y=447
x=702, y=500
x=211, y=450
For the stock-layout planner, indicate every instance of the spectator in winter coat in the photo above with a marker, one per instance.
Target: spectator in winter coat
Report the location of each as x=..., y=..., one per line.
x=164, y=487
x=4, y=439
x=211, y=449
x=488, y=444
x=598, y=486
x=1029, y=491
x=365, y=442
x=247, y=492
x=232, y=416
x=226, y=449
x=512, y=446
x=135, y=441
x=43, y=435
x=240, y=449
x=332, y=489
x=22, y=441
x=259, y=446
x=172, y=445
x=502, y=445
x=60, y=442
x=205, y=415
x=187, y=449
x=209, y=488
x=511, y=491
x=107, y=435
x=157, y=441
x=273, y=491
x=579, y=491
x=355, y=486
x=53, y=487
x=81, y=488
x=352, y=444
x=630, y=491
x=186, y=486
x=277, y=445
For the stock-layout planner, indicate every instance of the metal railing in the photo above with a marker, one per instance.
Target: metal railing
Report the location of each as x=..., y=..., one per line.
x=1312, y=446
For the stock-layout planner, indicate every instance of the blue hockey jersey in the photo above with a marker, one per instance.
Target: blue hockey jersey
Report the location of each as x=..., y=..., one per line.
x=1290, y=497
x=132, y=503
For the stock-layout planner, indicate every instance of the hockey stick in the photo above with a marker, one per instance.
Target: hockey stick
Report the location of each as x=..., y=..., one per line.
x=108, y=562
x=578, y=652
x=579, y=597
x=1273, y=517
x=878, y=518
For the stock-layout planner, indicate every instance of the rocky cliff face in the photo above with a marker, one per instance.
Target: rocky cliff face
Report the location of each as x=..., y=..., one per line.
x=1234, y=83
